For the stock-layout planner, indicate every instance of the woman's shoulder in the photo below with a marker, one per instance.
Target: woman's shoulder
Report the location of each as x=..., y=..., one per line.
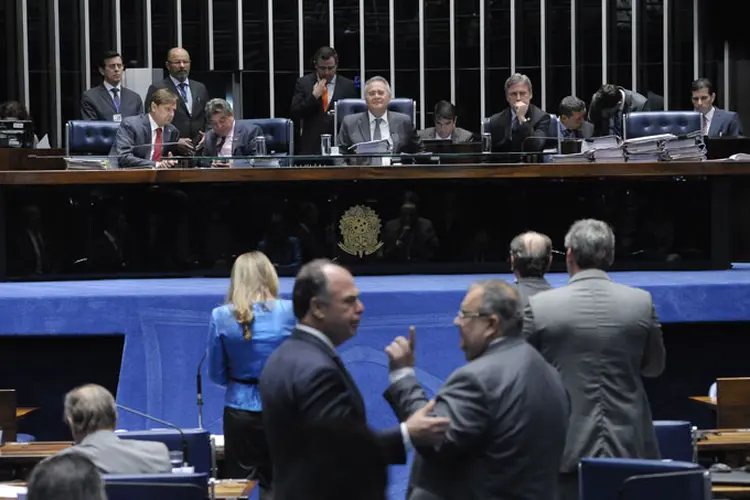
x=222, y=311
x=274, y=307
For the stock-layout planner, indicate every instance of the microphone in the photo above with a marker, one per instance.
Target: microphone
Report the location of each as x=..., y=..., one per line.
x=162, y=422
x=199, y=387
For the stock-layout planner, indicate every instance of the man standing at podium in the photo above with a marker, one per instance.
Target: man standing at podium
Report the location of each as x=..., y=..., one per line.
x=110, y=101
x=314, y=98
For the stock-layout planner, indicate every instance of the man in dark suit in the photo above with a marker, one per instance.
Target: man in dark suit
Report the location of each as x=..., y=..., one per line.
x=530, y=258
x=378, y=123
x=227, y=136
x=190, y=115
x=508, y=408
x=573, y=124
x=716, y=122
x=602, y=337
x=305, y=381
x=148, y=140
x=110, y=101
x=610, y=104
x=445, y=127
x=522, y=126
x=314, y=99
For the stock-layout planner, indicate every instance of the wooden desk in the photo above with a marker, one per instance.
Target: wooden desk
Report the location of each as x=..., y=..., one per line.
x=725, y=440
x=706, y=400
x=731, y=491
x=30, y=452
x=32, y=159
x=23, y=411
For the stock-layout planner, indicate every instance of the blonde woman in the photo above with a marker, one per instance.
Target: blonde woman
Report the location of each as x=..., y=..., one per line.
x=243, y=334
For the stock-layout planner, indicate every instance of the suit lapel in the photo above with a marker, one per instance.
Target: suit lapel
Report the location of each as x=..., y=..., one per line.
x=238, y=139
x=108, y=97
x=364, y=126
x=394, y=132
x=176, y=92
x=713, y=129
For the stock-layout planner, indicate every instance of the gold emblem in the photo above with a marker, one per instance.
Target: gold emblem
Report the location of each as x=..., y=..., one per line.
x=360, y=228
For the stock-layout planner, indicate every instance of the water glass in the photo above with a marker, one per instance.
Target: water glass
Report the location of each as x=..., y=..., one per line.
x=325, y=144
x=176, y=458
x=486, y=142
x=260, y=145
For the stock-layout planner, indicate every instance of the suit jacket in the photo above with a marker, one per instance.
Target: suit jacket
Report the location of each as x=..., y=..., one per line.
x=585, y=132
x=307, y=111
x=528, y=287
x=243, y=142
x=537, y=128
x=97, y=104
x=458, y=135
x=132, y=146
x=725, y=124
x=112, y=455
x=189, y=124
x=356, y=128
x=305, y=381
x=602, y=337
x=633, y=102
x=509, y=414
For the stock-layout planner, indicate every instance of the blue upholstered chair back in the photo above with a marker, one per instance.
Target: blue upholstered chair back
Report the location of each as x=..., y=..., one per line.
x=156, y=486
x=676, y=440
x=603, y=478
x=89, y=137
x=279, y=134
x=346, y=107
x=644, y=123
x=199, y=444
x=554, y=126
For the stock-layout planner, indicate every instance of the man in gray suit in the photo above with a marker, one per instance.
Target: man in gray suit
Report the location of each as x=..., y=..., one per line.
x=378, y=123
x=148, y=140
x=445, y=118
x=110, y=101
x=573, y=124
x=507, y=407
x=530, y=258
x=602, y=337
x=228, y=137
x=716, y=122
x=610, y=104
x=91, y=415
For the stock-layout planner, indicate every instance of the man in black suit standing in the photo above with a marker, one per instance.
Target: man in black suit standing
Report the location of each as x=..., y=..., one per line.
x=314, y=98
x=190, y=115
x=530, y=258
x=522, y=126
x=610, y=104
x=305, y=381
x=110, y=101
x=148, y=140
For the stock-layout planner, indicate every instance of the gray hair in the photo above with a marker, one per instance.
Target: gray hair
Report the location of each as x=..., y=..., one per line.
x=592, y=244
x=517, y=78
x=88, y=409
x=502, y=300
x=379, y=79
x=570, y=105
x=531, y=253
x=218, y=106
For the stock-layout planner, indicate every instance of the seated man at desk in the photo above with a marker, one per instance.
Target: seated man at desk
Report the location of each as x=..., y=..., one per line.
x=228, y=137
x=573, y=124
x=148, y=140
x=522, y=126
x=716, y=122
x=91, y=415
x=377, y=123
x=445, y=125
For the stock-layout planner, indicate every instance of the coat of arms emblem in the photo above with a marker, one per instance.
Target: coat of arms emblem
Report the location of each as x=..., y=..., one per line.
x=360, y=230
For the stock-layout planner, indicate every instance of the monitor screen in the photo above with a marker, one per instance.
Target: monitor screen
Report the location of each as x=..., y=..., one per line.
x=16, y=134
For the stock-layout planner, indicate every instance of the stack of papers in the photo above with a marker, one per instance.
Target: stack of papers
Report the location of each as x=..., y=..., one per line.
x=690, y=148
x=606, y=149
x=87, y=163
x=646, y=149
x=608, y=155
x=582, y=157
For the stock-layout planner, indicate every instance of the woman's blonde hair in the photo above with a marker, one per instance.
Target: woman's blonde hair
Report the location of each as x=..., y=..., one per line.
x=254, y=279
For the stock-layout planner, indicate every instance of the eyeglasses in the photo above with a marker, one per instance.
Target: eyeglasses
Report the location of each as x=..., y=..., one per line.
x=470, y=315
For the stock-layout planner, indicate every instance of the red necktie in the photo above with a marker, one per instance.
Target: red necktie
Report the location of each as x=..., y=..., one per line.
x=325, y=99
x=157, y=146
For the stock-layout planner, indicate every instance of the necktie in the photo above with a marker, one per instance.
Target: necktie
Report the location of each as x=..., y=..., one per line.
x=220, y=145
x=376, y=135
x=705, y=125
x=183, y=92
x=325, y=99
x=157, y=146
x=116, y=97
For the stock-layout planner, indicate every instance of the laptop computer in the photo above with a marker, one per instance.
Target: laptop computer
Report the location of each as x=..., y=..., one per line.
x=724, y=147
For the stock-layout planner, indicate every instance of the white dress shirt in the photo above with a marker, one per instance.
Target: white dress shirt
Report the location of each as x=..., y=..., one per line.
x=226, y=148
x=385, y=131
x=708, y=117
x=154, y=128
x=189, y=100
x=324, y=338
x=109, y=88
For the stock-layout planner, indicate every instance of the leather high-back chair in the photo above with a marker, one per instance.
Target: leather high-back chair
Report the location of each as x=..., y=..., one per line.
x=645, y=123
x=90, y=137
x=279, y=134
x=346, y=107
x=199, y=446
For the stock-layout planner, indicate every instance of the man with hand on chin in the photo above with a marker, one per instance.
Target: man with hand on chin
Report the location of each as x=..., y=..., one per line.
x=507, y=407
x=522, y=126
x=148, y=140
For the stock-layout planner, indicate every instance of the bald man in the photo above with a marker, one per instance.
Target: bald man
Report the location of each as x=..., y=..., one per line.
x=530, y=258
x=190, y=115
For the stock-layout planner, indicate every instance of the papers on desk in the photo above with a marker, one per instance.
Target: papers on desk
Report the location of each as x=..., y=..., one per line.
x=80, y=163
x=10, y=491
x=371, y=147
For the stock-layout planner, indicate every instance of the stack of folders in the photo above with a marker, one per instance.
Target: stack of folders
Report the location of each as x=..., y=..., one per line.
x=685, y=148
x=646, y=149
x=606, y=149
x=87, y=163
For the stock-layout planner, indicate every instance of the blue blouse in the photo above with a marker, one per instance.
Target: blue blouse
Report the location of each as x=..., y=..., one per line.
x=230, y=356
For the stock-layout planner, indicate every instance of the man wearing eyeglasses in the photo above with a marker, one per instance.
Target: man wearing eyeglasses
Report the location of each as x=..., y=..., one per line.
x=314, y=99
x=507, y=407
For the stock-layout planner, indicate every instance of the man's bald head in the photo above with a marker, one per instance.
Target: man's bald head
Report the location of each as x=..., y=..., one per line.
x=530, y=254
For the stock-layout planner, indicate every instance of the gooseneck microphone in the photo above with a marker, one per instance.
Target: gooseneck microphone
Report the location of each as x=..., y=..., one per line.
x=185, y=461
x=199, y=390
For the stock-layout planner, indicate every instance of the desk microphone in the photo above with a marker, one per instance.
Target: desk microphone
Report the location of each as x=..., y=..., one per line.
x=163, y=422
x=199, y=387
x=149, y=145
